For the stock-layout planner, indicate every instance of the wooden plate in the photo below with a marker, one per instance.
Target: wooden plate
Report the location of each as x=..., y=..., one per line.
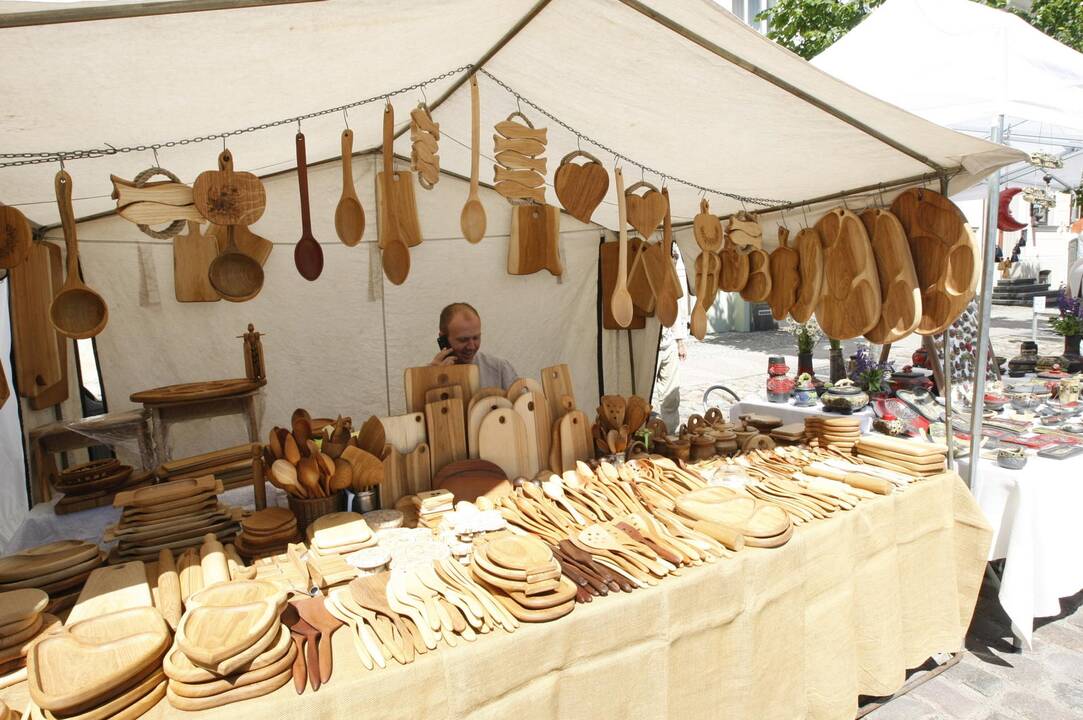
x=178, y=667
x=526, y=615
x=563, y=594
x=54, y=579
x=209, y=635
x=143, y=687
x=550, y=572
x=244, y=692
x=45, y=559
x=167, y=492
x=519, y=552
x=191, y=392
x=19, y=605
x=269, y=520
x=238, y=680
x=238, y=592
x=535, y=588
x=18, y=638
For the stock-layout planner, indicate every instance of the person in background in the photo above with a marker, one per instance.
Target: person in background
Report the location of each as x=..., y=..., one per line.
x=459, y=340
x=671, y=353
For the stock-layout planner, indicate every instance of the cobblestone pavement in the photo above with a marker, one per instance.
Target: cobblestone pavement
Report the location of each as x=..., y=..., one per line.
x=990, y=682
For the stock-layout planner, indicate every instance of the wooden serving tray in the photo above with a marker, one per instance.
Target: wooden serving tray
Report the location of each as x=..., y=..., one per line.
x=195, y=392
x=45, y=559
x=167, y=492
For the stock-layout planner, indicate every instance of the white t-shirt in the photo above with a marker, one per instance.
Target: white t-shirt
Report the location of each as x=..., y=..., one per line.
x=494, y=371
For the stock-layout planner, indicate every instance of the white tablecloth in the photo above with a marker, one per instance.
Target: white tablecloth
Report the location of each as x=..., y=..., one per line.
x=42, y=525
x=1036, y=528
x=791, y=413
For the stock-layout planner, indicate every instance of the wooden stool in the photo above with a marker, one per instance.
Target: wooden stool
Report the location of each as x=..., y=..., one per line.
x=58, y=437
x=163, y=412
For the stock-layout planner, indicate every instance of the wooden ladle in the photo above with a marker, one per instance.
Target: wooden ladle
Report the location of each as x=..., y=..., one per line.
x=472, y=219
x=307, y=253
x=77, y=311
x=237, y=277
x=349, y=215
x=621, y=302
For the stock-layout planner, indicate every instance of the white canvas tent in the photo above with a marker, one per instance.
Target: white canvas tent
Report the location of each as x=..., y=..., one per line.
x=681, y=89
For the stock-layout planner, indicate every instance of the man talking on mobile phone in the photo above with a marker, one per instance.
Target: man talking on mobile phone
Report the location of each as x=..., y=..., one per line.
x=459, y=340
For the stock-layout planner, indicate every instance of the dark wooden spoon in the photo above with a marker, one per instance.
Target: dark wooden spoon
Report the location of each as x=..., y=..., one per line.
x=307, y=254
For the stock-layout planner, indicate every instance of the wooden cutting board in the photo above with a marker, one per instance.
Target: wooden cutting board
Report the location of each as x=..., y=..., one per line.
x=850, y=300
x=419, y=469
x=524, y=385
x=443, y=393
x=446, y=432
x=945, y=259
x=167, y=492
x=758, y=286
x=535, y=234
x=534, y=410
x=557, y=385
x=900, y=308
x=811, y=265
x=45, y=559
x=639, y=286
x=478, y=411
x=419, y=380
x=404, y=432
x=503, y=441
x=608, y=259
x=112, y=588
x=248, y=243
x=659, y=270
x=41, y=358
x=575, y=442
x=785, y=276
x=193, y=253
x=734, y=273
x=394, y=485
x=399, y=206
x=708, y=276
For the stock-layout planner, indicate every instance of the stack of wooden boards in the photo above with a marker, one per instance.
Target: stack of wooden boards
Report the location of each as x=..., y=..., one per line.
x=170, y=516
x=522, y=574
x=22, y=621
x=267, y=532
x=105, y=666
x=340, y=533
x=920, y=459
x=432, y=506
x=406, y=458
x=231, y=466
x=230, y=645
x=840, y=433
x=790, y=434
x=882, y=274
x=58, y=568
x=94, y=483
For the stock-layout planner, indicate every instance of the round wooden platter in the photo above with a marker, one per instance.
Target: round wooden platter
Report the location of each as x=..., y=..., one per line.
x=563, y=594
x=45, y=560
x=547, y=572
x=193, y=392
x=269, y=520
x=519, y=552
x=18, y=605
x=180, y=668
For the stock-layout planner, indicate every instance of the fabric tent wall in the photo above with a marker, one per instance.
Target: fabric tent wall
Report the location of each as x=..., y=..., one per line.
x=340, y=344
x=12, y=480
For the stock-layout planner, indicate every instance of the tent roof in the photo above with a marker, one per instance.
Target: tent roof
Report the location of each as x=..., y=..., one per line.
x=975, y=63
x=686, y=91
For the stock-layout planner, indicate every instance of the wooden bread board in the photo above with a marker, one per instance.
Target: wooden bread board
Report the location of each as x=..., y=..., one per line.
x=758, y=286
x=900, y=310
x=810, y=253
x=419, y=380
x=446, y=432
x=639, y=284
x=502, y=440
x=850, y=299
x=557, y=385
x=40, y=352
x=404, y=432
x=112, y=588
x=575, y=439
x=418, y=469
x=608, y=258
x=478, y=411
x=533, y=245
x=785, y=276
x=394, y=485
x=193, y=254
x=534, y=411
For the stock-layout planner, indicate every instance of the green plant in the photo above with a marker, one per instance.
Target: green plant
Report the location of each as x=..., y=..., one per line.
x=869, y=375
x=807, y=334
x=1070, y=320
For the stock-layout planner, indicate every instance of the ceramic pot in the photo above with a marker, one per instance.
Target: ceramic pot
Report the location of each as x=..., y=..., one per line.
x=804, y=363
x=804, y=397
x=844, y=397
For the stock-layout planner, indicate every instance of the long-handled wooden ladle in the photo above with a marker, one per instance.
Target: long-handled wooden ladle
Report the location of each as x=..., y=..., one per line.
x=77, y=311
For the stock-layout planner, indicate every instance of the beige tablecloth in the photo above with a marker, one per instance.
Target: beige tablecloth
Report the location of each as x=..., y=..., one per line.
x=844, y=608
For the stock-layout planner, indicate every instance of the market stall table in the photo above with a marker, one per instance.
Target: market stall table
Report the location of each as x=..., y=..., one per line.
x=790, y=413
x=843, y=609
x=1036, y=531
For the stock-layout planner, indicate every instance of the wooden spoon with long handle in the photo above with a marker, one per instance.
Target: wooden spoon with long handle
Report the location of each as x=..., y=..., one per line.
x=621, y=302
x=699, y=313
x=76, y=311
x=472, y=219
x=396, y=254
x=666, y=307
x=349, y=215
x=307, y=253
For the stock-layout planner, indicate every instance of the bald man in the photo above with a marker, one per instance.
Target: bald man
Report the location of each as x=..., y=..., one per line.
x=460, y=327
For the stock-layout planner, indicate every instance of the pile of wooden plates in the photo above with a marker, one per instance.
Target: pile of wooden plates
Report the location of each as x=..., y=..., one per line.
x=522, y=574
x=339, y=533
x=840, y=433
x=58, y=568
x=920, y=459
x=761, y=523
x=106, y=666
x=92, y=477
x=231, y=466
x=267, y=532
x=230, y=645
x=22, y=620
x=170, y=516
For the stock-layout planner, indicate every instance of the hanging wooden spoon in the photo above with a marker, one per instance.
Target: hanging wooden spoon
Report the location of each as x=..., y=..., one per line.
x=349, y=215
x=699, y=313
x=77, y=311
x=307, y=254
x=621, y=302
x=472, y=219
x=666, y=297
x=396, y=254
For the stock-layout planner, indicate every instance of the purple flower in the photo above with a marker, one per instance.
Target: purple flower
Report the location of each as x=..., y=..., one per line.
x=1069, y=305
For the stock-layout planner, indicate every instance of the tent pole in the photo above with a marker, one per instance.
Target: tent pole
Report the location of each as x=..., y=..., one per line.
x=985, y=309
x=778, y=82
x=949, y=431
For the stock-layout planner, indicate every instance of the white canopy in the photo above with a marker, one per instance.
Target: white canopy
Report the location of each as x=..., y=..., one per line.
x=684, y=89
x=976, y=63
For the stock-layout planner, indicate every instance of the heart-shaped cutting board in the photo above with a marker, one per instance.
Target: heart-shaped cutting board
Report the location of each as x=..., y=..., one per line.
x=646, y=211
x=581, y=188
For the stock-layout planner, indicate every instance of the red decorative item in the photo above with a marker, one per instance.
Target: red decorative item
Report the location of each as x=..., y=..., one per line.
x=1005, y=221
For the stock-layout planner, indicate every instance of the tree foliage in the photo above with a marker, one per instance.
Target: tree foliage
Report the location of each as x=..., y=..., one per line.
x=808, y=27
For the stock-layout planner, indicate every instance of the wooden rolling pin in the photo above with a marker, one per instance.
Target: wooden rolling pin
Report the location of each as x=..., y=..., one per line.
x=169, y=590
x=853, y=479
x=725, y=535
x=212, y=561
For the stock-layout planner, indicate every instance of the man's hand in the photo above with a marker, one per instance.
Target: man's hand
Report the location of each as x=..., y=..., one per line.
x=681, y=353
x=444, y=357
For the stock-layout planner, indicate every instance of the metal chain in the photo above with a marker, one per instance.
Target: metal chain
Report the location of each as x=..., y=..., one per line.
x=35, y=158
x=764, y=202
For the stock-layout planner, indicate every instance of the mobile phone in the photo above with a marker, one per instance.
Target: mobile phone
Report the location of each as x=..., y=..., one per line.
x=442, y=342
